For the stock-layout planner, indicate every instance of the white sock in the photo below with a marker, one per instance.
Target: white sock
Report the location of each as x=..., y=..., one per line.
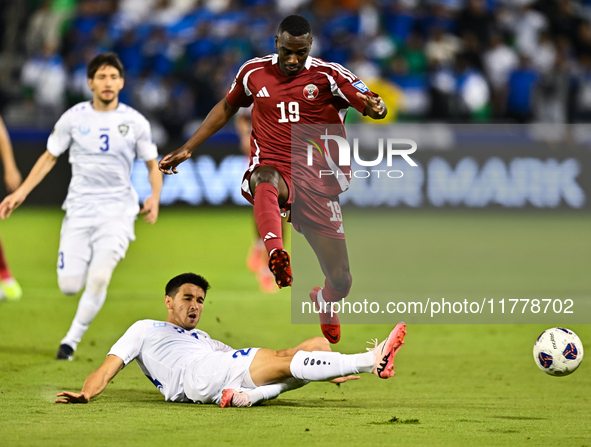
x=320, y=300
x=322, y=365
x=89, y=306
x=364, y=362
x=268, y=392
x=265, y=392
x=92, y=300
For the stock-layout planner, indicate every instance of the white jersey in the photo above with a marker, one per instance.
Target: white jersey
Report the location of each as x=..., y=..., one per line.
x=163, y=351
x=103, y=146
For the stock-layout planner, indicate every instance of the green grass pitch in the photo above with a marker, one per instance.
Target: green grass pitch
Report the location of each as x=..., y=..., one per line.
x=455, y=384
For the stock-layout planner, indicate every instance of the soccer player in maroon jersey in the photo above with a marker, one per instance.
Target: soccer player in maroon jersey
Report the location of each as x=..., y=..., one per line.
x=9, y=287
x=287, y=88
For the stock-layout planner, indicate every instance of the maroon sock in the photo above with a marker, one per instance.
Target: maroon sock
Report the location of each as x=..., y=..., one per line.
x=331, y=295
x=4, y=271
x=268, y=216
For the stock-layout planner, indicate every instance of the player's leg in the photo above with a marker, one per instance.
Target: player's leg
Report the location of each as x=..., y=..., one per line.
x=101, y=268
x=312, y=344
x=9, y=287
x=258, y=260
x=74, y=256
x=334, y=262
x=253, y=396
x=268, y=367
x=109, y=240
x=270, y=190
x=319, y=219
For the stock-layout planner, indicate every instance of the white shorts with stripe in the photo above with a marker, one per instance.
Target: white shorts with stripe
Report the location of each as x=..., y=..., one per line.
x=206, y=378
x=83, y=237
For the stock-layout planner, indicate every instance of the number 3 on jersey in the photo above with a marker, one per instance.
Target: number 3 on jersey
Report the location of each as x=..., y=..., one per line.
x=294, y=112
x=105, y=140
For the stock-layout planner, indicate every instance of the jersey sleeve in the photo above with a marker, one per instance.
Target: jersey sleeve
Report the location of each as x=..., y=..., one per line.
x=219, y=346
x=128, y=347
x=348, y=85
x=237, y=96
x=146, y=150
x=61, y=136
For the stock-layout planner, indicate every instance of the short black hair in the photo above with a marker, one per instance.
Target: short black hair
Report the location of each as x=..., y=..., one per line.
x=295, y=25
x=175, y=283
x=109, y=58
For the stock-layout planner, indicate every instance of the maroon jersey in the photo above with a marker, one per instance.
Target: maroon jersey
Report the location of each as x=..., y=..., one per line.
x=320, y=94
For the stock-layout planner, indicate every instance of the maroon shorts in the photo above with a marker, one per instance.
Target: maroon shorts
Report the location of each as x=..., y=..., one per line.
x=248, y=195
x=320, y=214
x=304, y=208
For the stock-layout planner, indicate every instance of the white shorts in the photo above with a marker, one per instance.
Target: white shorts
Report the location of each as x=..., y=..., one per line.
x=206, y=378
x=80, y=237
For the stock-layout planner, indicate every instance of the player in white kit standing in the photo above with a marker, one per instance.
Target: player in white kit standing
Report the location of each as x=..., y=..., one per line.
x=104, y=137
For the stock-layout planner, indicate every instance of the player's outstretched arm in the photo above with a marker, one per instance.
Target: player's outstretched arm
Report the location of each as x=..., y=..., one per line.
x=94, y=384
x=12, y=176
x=375, y=107
x=214, y=121
x=152, y=204
x=44, y=164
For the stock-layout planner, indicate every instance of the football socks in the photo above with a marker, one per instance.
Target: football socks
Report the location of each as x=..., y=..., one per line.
x=323, y=365
x=268, y=216
x=331, y=295
x=4, y=270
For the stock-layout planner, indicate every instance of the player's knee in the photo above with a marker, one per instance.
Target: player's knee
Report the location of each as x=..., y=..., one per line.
x=266, y=178
x=340, y=280
x=98, y=280
x=320, y=344
x=70, y=285
x=264, y=175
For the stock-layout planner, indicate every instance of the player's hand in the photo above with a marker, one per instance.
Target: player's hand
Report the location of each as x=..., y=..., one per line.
x=344, y=379
x=9, y=204
x=12, y=179
x=71, y=398
x=169, y=163
x=376, y=104
x=150, y=209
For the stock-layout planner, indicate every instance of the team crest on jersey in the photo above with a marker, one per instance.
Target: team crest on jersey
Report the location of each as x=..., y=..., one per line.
x=84, y=130
x=310, y=91
x=123, y=129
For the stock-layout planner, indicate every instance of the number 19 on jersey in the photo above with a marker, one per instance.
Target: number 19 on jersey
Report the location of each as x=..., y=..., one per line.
x=293, y=108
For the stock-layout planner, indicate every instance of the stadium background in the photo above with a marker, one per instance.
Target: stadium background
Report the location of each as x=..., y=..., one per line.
x=498, y=62
x=495, y=92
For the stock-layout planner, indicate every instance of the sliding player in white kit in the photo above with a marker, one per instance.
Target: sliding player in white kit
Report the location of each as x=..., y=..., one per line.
x=186, y=365
x=104, y=137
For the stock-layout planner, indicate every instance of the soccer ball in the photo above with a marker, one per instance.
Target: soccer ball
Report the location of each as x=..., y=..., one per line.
x=558, y=351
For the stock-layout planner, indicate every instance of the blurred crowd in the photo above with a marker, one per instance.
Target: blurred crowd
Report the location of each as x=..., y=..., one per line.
x=444, y=60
